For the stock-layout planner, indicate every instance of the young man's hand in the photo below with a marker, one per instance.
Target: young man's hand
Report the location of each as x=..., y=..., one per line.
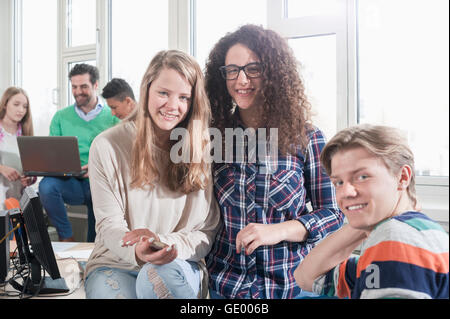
x=85, y=167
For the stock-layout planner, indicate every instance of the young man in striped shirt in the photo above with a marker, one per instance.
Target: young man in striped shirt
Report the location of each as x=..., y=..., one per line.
x=404, y=254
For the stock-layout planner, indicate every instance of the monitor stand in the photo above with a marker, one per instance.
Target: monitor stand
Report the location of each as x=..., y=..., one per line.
x=53, y=286
x=39, y=285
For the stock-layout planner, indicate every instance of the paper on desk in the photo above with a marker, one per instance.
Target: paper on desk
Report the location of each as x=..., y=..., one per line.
x=78, y=254
x=62, y=246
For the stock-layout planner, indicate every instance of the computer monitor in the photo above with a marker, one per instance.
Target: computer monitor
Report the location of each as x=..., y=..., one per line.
x=37, y=232
x=4, y=245
x=38, y=253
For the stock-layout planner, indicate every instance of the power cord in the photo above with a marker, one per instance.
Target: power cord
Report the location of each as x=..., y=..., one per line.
x=21, y=273
x=74, y=289
x=9, y=233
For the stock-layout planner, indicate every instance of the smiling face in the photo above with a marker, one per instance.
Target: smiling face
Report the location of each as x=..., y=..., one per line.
x=16, y=108
x=83, y=90
x=168, y=101
x=366, y=190
x=245, y=91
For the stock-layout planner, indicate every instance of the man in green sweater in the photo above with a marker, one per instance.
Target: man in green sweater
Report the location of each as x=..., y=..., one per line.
x=85, y=119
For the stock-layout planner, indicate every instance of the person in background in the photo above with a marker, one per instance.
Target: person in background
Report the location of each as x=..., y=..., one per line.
x=141, y=194
x=15, y=120
x=404, y=253
x=120, y=97
x=253, y=83
x=85, y=119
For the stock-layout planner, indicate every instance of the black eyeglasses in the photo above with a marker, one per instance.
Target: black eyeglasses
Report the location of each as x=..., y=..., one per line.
x=251, y=70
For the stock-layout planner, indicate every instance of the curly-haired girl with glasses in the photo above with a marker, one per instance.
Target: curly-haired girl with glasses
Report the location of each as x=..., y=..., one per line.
x=253, y=84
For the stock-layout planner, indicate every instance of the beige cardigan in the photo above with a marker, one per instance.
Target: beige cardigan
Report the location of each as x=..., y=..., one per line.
x=189, y=221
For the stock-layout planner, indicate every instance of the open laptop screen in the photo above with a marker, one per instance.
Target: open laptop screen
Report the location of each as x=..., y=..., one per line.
x=50, y=156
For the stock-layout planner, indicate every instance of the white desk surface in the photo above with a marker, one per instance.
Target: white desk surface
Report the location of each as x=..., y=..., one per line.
x=67, y=255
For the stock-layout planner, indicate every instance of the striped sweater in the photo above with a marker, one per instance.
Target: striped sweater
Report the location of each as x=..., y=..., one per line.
x=405, y=256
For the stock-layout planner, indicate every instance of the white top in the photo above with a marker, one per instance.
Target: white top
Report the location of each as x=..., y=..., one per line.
x=189, y=221
x=9, y=156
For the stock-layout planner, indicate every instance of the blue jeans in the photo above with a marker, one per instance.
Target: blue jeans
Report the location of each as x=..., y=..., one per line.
x=55, y=191
x=179, y=279
x=306, y=295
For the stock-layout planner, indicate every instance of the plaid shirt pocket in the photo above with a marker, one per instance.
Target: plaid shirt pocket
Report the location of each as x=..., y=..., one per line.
x=286, y=188
x=224, y=185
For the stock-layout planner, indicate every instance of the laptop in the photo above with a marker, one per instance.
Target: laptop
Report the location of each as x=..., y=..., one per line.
x=50, y=156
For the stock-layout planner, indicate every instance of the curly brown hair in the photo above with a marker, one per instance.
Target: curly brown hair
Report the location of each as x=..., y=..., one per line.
x=285, y=104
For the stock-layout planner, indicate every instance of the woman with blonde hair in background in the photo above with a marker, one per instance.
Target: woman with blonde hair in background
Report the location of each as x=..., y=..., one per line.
x=15, y=120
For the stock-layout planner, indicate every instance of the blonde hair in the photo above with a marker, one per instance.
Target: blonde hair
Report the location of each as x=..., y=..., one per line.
x=184, y=177
x=384, y=142
x=27, y=121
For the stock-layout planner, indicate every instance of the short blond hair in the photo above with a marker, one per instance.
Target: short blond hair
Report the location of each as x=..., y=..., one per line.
x=384, y=142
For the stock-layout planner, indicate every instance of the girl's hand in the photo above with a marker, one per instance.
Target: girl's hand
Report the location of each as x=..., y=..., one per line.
x=132, y=237
x=10, y=173
x=255, y=235
x=146, y=254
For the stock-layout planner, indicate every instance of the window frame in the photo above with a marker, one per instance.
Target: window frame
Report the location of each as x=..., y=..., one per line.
x=432, y=191
x=179, y=38
x=97, y=51
x=341, y=25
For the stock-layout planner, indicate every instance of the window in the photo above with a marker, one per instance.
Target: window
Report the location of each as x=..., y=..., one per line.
x=80, y=22
x=132, y=51
x=317, y=60
x=390, y=69
x=404, y=75
x=37, y=61
x=317, y=32
x=378, y=61
x=305, y=8
x=214, y=18
x=83, y=28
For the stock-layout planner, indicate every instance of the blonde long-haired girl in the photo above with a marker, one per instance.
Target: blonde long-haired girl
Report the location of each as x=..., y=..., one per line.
x=188, y=176
x=15, y=120
x=155, y=217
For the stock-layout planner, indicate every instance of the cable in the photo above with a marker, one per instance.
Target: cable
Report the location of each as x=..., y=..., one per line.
x=9, y=233
x=20, y=268
x=22, y=272
x=17, y=270
x=69, y=292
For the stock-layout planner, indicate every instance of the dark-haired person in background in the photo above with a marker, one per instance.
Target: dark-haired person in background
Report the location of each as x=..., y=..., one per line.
x=85, y=119
x=120, y=97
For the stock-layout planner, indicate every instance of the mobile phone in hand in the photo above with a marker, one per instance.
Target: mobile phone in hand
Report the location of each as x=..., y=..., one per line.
x=157, y=245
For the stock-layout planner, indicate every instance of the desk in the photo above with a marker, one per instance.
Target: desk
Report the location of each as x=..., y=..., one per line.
x=67, y=257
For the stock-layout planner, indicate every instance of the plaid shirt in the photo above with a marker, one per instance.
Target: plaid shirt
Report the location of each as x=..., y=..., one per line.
x=246, y=193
